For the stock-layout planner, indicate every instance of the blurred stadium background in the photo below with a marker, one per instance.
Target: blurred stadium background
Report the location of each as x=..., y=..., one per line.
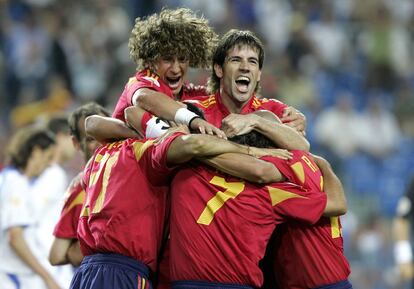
x=348, y=65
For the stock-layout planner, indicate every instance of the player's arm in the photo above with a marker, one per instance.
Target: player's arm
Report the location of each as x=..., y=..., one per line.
x=164, y=107
x=336, y=202
x=246, y=167
x=20, y=247
x=74, y=254
x=58, y=251
x=107, y=129
x=187, y=147
x=282, y=135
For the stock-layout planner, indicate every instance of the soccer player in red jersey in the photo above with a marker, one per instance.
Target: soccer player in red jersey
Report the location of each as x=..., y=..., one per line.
x=220, y=225
x=164, y=46
x=237, y=64
x=122, y=221
x=65, y=248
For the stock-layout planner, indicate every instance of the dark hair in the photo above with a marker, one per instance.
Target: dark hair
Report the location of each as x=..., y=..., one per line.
x=230, y=40
x=84, y=111
x=173, y=32
x=253, y=139
x=58, y=124
x=191, y=107
x=24, y=141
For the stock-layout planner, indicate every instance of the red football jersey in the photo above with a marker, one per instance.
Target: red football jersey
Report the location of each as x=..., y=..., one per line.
x=143, y=79
x=148, y=79
x=126, y=200
x=220, y=225
x=318, y=249
x=215, y=111
x=69, y=217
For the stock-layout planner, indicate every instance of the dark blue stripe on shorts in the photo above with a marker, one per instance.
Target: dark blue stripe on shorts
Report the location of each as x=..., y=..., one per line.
x=108, y=271
x=206, y=285
x=340, y=285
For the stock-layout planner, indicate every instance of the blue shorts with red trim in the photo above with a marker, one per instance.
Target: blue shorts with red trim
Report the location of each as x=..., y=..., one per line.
x=340, y=285
x=108, y=271
x=206, y=285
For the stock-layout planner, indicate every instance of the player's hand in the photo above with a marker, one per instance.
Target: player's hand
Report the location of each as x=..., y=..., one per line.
x=279, y=153
x=204, y=127
x=295, y=119
x=237, y=124
x=195, y=90
x=172, y=130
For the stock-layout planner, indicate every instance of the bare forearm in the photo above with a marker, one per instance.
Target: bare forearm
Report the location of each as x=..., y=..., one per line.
x=57, y=254
x=74, y=254
x=282, y=135
x=336, y=203
x=20, y=247
x=401, y=228
x=245, y=167
x=157, y=103
x=107, y=129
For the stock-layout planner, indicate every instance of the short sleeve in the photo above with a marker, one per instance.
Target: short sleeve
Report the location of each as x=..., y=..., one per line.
x=290, y=201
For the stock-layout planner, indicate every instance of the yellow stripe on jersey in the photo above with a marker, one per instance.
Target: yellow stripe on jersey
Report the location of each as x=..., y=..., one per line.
x=321, y=183
x=277, y=195
x=102, y=160
x=140, y=148
x=85, y=212
x=299, y=171
x=335, y=230
x=143, y=283
x=77, y=201
x=107, y=172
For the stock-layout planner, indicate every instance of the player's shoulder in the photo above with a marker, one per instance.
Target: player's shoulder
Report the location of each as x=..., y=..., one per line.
x=266, y=102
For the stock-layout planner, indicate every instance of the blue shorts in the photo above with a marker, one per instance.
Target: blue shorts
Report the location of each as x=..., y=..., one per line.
x=340, y=285
x=108, y=271
x=206, y=285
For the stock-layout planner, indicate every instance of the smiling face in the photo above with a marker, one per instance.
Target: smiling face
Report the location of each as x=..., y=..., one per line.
x=172, y=70
x=239, y=76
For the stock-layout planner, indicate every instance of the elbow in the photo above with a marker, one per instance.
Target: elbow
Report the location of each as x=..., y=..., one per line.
x=265, y=174
x=91, y=124
x=55, y=260
x=335, y=210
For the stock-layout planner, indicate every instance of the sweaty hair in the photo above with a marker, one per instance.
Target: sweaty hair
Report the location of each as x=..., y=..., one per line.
x=177, y=33
x=233, y=38
x=84, y=111
x=24, y=141
x=58, y=124
x=253, y=139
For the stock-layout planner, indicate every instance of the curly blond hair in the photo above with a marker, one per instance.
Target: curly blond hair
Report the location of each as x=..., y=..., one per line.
x=177, y=32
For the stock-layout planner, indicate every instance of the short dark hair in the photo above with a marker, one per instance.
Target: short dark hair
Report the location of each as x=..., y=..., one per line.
x=230, y=40
x=84, y=111
x=58, y=124
x=253, y=139
x=24, y=141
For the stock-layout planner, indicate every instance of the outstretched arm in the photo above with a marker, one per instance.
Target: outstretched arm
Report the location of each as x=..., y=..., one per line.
x=164, y=107
x=246, y=167
x=282, y=135
x=336, y=204
x=107, y=129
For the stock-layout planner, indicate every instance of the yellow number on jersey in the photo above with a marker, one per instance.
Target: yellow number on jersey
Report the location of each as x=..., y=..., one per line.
x=233, y=189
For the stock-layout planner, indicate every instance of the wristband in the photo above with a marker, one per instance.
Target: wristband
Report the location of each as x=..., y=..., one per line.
x=189, y=124
x=184, y=116
x=402, y=252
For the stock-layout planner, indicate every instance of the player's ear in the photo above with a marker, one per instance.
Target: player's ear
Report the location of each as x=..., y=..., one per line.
x=218, y=70
x=76, y=143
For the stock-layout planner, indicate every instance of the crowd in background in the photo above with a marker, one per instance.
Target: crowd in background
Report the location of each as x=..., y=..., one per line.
x=348, y=65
